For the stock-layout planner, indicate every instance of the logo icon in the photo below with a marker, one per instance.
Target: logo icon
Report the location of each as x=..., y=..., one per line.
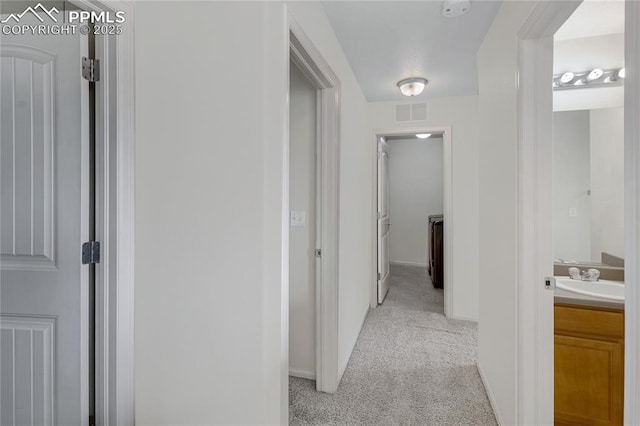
x=36, y=11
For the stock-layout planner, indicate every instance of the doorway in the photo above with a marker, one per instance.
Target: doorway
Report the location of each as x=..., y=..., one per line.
x=310, y=64
x=535, y=301
x=412, y=245
x=588, y=224
x=411, y=196
x=303, y=221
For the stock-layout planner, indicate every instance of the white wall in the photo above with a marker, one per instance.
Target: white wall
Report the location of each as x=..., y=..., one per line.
x=208, y=217
x=498, y=109
x=607, y=182
x=302, y=169
x=416, y=192
x=461, y=114
x=571, y=183
x=354, y=274
x=211, y=228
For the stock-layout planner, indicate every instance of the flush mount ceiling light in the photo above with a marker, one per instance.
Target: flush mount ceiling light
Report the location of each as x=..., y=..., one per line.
x=597, y=77
x=455, y=8
x=412, y=86
x=423, y=135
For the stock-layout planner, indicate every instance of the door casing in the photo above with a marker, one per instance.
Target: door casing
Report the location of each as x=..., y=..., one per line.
x=114, y=193
x=310, y=61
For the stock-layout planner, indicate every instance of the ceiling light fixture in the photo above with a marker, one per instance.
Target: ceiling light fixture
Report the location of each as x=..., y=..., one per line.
x=412, y=86
x=597, y=77
x=423, y=135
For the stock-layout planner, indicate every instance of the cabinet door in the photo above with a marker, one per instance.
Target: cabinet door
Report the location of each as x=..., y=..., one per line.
x=588, y=381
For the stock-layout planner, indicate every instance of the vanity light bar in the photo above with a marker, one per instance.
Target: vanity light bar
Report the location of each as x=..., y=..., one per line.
x=592, y=78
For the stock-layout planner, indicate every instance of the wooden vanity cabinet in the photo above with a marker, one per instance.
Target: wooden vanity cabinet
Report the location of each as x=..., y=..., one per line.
x=589, y=365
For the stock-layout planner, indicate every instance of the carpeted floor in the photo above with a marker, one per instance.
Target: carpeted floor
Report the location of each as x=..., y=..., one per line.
x=410, y=366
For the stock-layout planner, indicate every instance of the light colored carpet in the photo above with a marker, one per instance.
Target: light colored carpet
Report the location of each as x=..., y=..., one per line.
x=410, y=366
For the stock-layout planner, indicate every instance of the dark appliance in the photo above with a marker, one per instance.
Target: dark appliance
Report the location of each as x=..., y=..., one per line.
x=436, y=252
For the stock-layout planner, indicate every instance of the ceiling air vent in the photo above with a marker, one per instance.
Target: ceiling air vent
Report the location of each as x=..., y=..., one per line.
x=411, y=112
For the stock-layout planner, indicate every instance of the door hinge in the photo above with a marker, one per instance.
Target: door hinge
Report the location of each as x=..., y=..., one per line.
x=92, y=421
x=90, y=252
x=379, y=215
x=91, y=69
x=379, y=276
x=319, y=253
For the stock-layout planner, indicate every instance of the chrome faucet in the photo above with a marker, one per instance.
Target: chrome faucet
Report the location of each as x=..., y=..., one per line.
x=588, y=275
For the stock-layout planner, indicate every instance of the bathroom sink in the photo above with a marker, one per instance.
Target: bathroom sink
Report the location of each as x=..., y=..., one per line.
x=603, y=289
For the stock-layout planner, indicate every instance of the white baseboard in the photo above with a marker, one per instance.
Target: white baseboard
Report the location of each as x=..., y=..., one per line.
x=492, y=399
x=311, y=375
x=402, y=262
x=458, y=317
x=343, y=363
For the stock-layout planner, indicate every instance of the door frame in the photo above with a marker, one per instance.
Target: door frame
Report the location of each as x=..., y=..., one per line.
x=447, y=158
x=115, y=149
x=632, y=213
x=534, y=381
x=312, y=64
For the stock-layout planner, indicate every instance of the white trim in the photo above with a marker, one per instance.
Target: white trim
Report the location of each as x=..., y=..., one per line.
x=534, y=304
x=492, y=398
x=115, y=391
x=310, y=61
x=303, y=374
x=463, y=318
x=447, y=211
x=632, y=213
x=403, y=263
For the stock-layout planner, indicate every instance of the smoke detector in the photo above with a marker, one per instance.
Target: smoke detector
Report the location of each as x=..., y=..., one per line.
x=455, y=8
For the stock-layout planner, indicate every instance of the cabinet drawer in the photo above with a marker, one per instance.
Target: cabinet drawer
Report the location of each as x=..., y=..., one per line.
x=590, y=321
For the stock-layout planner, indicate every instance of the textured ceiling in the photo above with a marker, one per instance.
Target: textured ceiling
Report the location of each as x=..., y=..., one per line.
x=386, y=41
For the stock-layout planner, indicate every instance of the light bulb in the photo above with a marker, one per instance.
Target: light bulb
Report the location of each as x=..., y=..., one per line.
x=595, y=74
x=567, y=77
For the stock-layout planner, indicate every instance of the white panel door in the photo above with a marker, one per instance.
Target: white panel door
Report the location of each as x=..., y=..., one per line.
x=384, y=222
x=44, y=209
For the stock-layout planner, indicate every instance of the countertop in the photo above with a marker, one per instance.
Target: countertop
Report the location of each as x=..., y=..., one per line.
x=562, y=296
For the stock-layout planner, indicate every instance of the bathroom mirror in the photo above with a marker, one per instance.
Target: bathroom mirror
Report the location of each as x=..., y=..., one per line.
x=588, y=150
x=588, y=185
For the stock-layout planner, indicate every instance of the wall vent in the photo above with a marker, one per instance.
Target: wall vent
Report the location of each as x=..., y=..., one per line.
x=403, y=112
x=419, y=112
x=411, y=112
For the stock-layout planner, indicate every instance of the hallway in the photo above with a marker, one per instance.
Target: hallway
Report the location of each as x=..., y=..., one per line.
x=410, y=366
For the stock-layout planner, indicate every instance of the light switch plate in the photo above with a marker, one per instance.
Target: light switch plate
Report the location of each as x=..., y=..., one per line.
x=298, y=218
x=573, y=212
